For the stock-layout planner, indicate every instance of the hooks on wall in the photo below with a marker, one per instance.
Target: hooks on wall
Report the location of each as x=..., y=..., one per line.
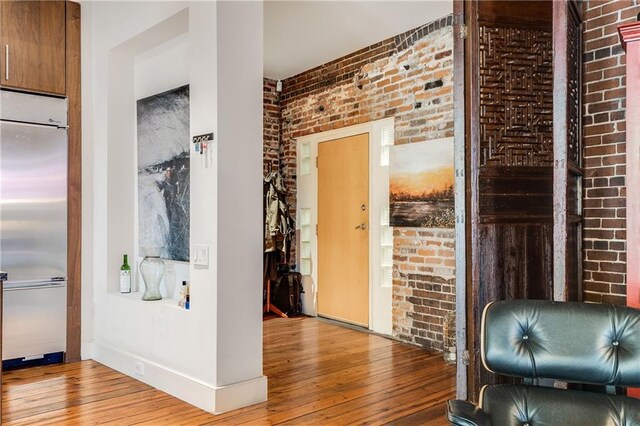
x=201, y=145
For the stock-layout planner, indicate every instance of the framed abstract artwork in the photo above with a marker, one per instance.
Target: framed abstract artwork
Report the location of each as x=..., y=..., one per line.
x=164, y=174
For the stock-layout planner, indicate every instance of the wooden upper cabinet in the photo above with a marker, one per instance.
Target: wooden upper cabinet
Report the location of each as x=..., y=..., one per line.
x=32, y=38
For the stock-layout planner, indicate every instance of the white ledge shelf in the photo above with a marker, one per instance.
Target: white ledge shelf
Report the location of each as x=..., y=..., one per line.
x=137, y=297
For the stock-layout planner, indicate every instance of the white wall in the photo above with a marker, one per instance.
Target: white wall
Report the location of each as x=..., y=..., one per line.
x=240, y=230
x=162, y=68
x=210, y=356
x=88, y=182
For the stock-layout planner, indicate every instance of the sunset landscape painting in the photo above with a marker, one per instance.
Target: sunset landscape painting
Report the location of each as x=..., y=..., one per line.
x=421, y=185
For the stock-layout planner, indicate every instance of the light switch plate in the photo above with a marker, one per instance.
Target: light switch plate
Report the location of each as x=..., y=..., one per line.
x=201, y=254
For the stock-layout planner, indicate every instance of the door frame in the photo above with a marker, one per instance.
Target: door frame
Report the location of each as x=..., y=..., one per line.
x=380, y=295
x=463, y=223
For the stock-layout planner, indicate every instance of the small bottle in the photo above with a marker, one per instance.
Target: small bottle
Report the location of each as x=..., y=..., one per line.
x=183, y=295
x=187, y=300
x=125, y=276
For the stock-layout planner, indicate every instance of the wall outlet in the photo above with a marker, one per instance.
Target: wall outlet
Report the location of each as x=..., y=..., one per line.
x=139, y=368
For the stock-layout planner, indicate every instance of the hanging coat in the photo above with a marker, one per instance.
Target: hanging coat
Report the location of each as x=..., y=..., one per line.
x=279, y=226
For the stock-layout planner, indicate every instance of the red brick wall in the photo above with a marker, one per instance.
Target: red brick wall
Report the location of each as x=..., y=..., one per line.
x=409, y=77
x=423, y=284
x=271, y=125
x=604, y=149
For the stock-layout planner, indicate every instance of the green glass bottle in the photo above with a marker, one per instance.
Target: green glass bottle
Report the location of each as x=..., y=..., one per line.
x=125, y=276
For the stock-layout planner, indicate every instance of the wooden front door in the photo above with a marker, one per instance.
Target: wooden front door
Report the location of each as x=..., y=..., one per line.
x=343, y=229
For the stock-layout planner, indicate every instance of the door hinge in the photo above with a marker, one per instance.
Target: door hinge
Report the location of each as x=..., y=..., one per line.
x=316, y=161
x=316, y=229
x=463, y=31
x=465, y=357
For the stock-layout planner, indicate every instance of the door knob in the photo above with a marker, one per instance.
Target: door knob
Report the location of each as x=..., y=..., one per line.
x=362, y=226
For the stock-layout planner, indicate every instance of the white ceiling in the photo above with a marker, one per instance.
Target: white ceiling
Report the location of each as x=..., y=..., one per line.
x=299, y=35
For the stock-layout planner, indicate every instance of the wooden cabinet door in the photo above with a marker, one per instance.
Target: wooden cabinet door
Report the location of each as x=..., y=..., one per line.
x=32, y=37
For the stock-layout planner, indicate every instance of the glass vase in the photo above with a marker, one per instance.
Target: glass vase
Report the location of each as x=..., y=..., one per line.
x=449, y=338
x=152, y=270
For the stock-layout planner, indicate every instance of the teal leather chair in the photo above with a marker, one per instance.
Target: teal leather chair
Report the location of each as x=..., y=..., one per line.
x=575, y=343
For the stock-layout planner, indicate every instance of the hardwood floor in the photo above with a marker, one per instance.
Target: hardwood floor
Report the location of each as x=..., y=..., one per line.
x=319, y=373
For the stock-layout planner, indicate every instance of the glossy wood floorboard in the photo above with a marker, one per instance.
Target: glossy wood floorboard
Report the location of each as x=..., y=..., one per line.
x=319, y=373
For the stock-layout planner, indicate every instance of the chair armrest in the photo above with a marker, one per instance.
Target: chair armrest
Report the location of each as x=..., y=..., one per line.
x=463, y=413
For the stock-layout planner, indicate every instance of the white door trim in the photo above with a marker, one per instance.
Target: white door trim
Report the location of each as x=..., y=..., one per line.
x=380, y=294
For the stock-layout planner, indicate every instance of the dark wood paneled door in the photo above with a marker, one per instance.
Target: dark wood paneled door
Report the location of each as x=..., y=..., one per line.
x=510, y=158
x=32, y=39
x=523, y=180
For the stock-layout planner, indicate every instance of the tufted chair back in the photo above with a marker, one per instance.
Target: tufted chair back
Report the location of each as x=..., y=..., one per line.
x=572, y=342
x=568, y=341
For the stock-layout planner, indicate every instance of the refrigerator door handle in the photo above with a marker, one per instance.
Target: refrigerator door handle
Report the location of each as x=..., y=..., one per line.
x=53, y=125
x=32, y=285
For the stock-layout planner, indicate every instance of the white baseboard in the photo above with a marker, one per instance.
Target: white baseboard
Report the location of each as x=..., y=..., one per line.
x=242, y=394
x=213, y=399
x=86, y=350
x=309, y=297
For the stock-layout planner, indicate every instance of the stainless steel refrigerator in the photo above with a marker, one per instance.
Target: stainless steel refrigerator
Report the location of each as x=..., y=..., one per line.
x=33, y=226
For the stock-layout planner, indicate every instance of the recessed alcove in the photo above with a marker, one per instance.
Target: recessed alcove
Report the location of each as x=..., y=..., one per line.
x=153, y=61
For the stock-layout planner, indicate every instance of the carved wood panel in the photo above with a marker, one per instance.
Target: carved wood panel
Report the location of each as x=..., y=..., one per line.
x=516, y=102
x=573, y=214
x=574, y=66
x=511, y=159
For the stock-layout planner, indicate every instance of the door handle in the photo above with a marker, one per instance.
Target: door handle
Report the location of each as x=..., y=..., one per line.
x=6, y=62
x=362, y=226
